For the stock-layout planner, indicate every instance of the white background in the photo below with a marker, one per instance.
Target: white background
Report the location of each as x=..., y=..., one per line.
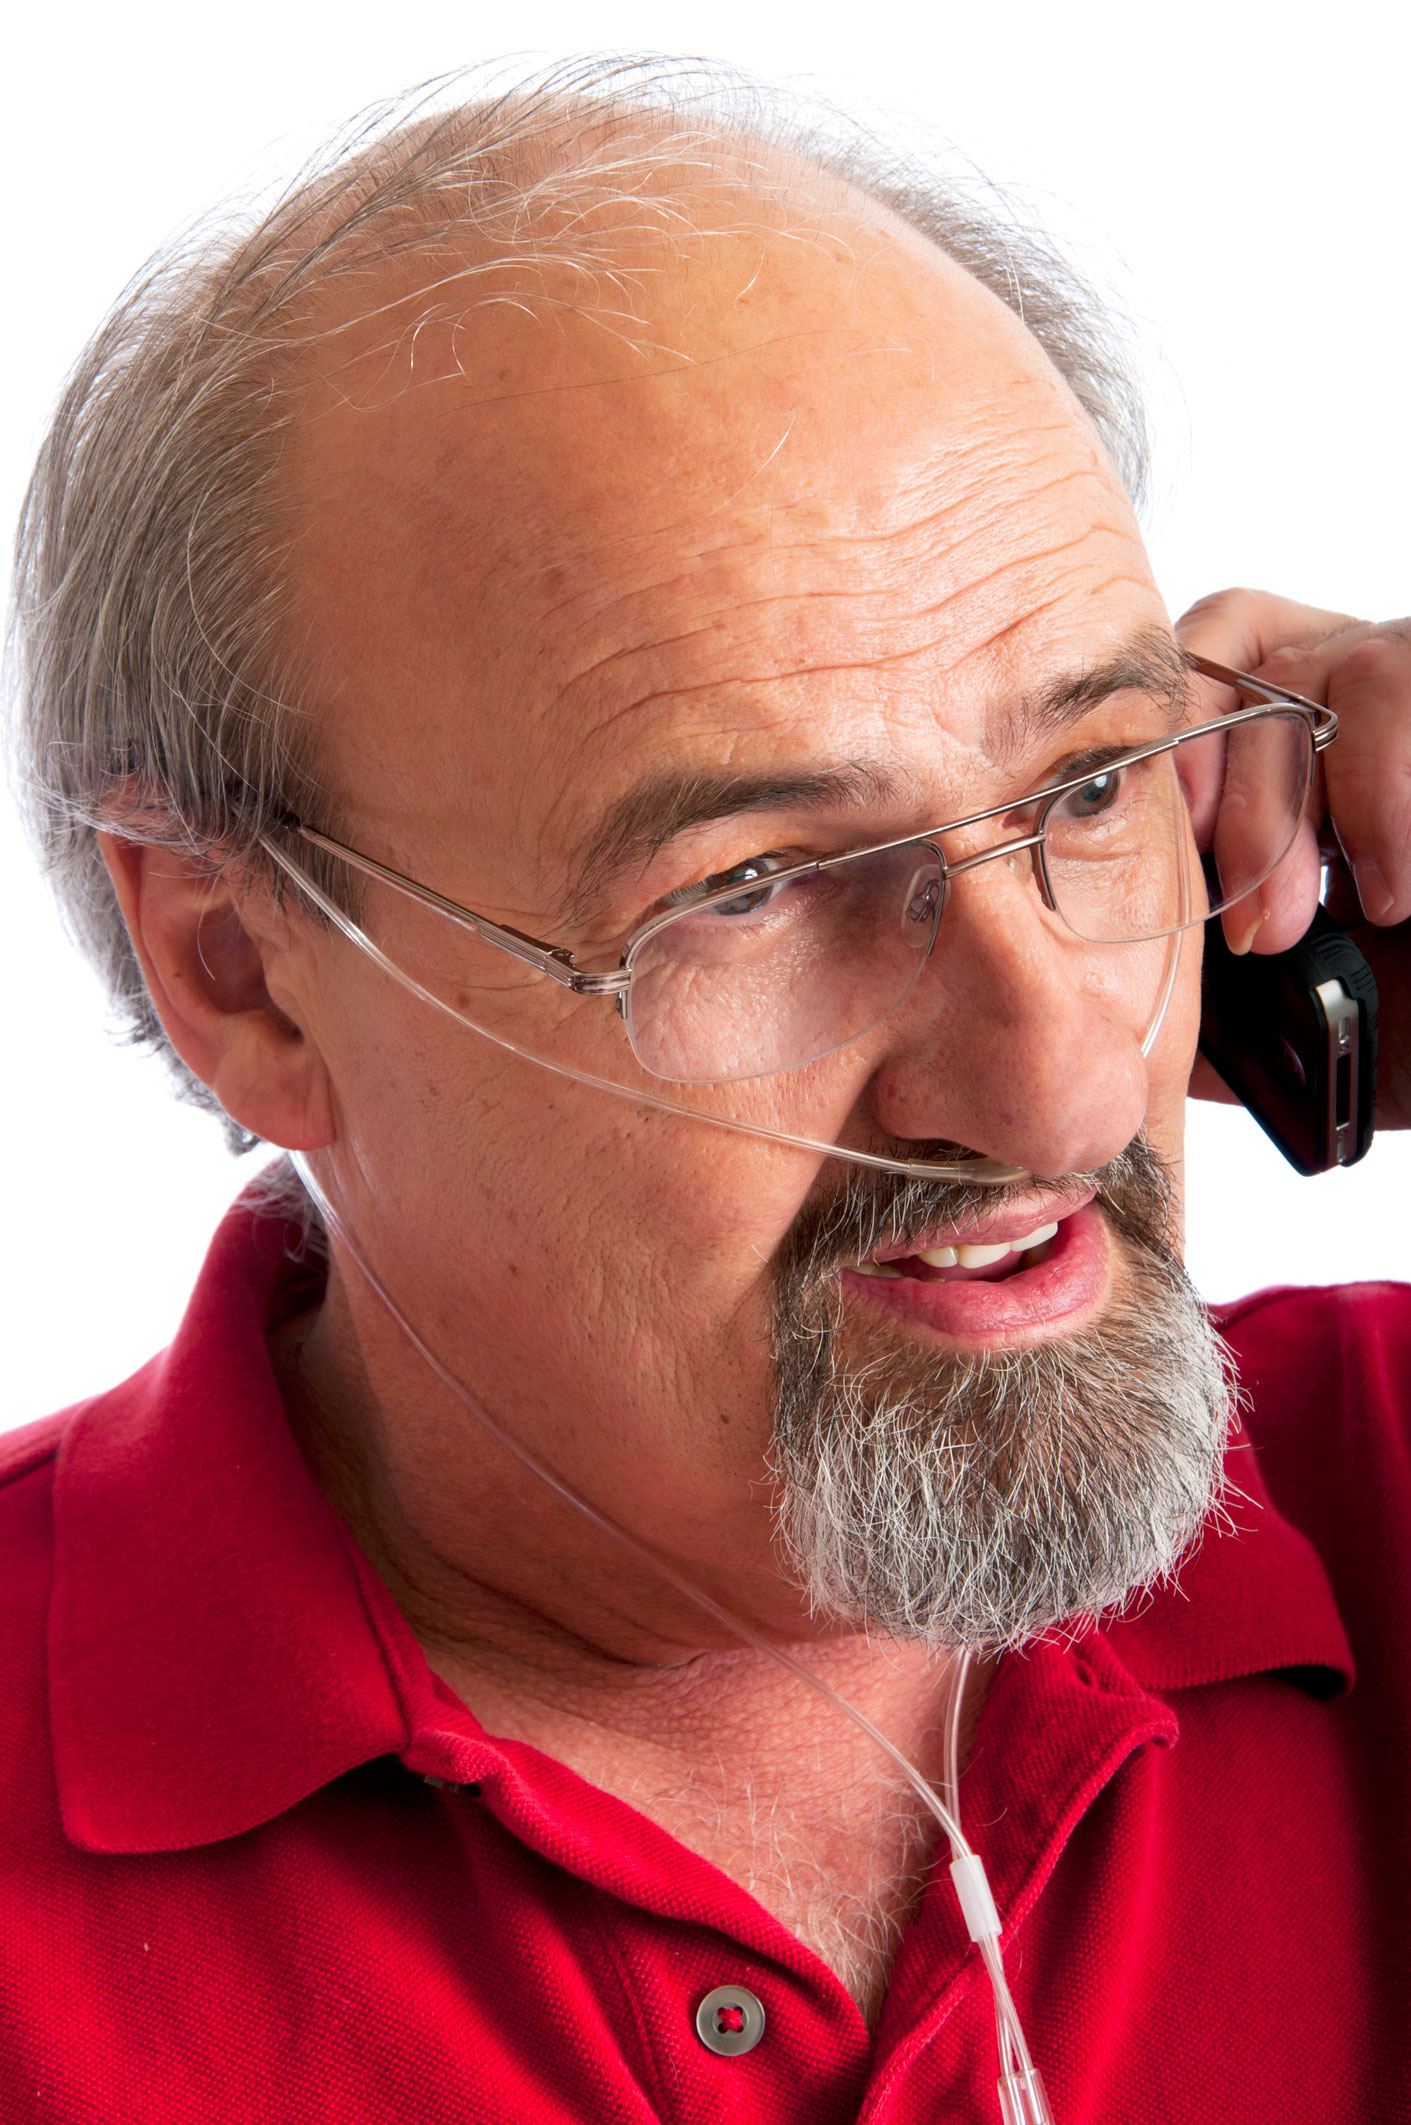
x=1238, y=172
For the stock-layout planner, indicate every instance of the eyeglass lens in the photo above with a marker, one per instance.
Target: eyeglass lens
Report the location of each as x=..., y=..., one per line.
x=785, y=972
x=1112, y=848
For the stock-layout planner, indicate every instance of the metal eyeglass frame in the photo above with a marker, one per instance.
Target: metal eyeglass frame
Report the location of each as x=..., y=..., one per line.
x=559, y=964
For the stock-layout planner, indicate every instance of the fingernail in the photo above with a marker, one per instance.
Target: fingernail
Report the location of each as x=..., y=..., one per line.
x=1242, y=940
x=1373, y=891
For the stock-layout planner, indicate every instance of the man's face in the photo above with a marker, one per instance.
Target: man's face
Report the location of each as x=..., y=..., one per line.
x=831, y=527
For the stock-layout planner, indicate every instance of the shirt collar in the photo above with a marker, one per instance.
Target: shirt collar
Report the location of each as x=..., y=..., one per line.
x=211, y=1654
x=218, y=1649
x=1254, y=1597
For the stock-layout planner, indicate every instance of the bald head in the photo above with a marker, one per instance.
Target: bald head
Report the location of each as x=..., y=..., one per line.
x=607, y=232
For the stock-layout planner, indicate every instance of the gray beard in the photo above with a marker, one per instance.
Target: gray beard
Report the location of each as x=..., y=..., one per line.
x=981, y=1501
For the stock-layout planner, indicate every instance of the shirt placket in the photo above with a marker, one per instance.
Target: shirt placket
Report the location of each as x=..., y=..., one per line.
x=1060, y=1723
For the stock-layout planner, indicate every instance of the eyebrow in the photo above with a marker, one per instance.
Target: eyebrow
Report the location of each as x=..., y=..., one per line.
x=1151, y=663
x=667, y=804
x=670, y=802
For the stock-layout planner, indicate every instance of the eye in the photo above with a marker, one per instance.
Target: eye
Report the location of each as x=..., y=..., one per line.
x=1095, y=796
x=755, y=874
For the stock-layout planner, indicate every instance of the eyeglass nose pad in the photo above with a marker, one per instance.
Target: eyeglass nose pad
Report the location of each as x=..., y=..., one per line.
x=1038, y=868
x=924, y=901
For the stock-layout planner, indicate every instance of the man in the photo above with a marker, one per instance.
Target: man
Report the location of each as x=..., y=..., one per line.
x=544, y=550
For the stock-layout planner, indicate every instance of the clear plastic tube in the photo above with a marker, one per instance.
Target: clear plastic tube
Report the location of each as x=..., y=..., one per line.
x=1173, y=958
x=1021, y=2092
x=1022, y=2101
x=1022, y=2098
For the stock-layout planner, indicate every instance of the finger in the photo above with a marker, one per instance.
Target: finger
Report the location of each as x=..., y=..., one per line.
x=1276, y=914
x=1245, y=627
x=1265, y=841
x=1368, y=770
x=1253, y=808
x=1364, y=673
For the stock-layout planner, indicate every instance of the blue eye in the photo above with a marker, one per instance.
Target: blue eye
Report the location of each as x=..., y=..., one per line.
x=755, y=873
x=1095, y=796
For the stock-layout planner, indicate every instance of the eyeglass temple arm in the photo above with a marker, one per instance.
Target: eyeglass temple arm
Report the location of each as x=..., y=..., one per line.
x=549, y=959
x=1325, y=722
x=559, y=964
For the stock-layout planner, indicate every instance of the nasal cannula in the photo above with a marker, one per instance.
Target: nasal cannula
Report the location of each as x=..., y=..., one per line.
x=1022, y=2100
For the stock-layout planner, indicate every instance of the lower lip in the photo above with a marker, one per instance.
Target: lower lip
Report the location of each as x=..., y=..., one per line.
x=1069, y=1283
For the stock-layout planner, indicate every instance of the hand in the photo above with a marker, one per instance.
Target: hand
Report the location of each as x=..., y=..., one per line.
x=1360, y=812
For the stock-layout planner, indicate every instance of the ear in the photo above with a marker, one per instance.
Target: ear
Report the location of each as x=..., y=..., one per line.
x=208, y=962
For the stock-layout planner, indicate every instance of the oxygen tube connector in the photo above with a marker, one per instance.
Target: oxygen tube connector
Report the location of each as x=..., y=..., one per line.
x=1021, y=2093
x=1022, y=2100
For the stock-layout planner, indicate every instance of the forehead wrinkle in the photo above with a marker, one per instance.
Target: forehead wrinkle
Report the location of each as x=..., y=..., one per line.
x=943, y=511
x=1063, y=700
x=939, y=508
x=867, y=657
x=741, y=545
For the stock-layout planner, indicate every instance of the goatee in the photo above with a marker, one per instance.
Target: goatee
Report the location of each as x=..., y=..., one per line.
x=983, y=1500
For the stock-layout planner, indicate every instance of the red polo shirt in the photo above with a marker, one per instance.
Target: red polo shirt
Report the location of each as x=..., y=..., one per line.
x=256, y=1865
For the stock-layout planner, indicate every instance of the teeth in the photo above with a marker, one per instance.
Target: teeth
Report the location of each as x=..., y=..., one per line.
x=965, y=1257
x=981, y=1257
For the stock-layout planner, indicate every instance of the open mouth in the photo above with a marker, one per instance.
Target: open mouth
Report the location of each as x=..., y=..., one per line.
x=995, y=1284
x=966, y=1262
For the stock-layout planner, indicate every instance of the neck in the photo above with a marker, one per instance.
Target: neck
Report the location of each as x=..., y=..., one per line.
x=568, y=1644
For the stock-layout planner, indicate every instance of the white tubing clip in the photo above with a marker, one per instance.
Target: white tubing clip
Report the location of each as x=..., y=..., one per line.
x=972, y=1887
x=1022, y=2100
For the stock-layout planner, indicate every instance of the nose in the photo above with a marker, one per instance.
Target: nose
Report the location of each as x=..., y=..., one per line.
x=1020, y=1040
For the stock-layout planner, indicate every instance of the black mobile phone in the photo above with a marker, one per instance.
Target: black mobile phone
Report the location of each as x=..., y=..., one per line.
x=1294, y=1035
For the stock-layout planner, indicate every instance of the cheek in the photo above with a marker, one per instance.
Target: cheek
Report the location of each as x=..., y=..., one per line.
x=560, y=1215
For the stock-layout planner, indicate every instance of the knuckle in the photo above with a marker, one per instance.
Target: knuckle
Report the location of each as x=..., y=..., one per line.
x=1217, y=604
x=1284, y=661
x=1380, y=661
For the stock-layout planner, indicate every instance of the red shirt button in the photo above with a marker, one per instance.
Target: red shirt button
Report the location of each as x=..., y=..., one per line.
x=729, y=2021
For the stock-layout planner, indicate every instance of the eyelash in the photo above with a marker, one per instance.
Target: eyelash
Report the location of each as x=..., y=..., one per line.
x=1097, y=756
x=682, y=895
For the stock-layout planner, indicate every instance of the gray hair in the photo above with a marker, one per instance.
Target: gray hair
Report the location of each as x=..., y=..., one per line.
x=984, y=1499
x=155, y=687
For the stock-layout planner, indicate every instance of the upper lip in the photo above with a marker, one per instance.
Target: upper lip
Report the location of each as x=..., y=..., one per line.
x=1012, y=1224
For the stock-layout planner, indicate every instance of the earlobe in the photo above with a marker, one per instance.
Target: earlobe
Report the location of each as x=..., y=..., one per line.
x=207, y=971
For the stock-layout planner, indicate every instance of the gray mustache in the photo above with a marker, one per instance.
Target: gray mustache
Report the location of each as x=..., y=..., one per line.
x=874, y=1210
